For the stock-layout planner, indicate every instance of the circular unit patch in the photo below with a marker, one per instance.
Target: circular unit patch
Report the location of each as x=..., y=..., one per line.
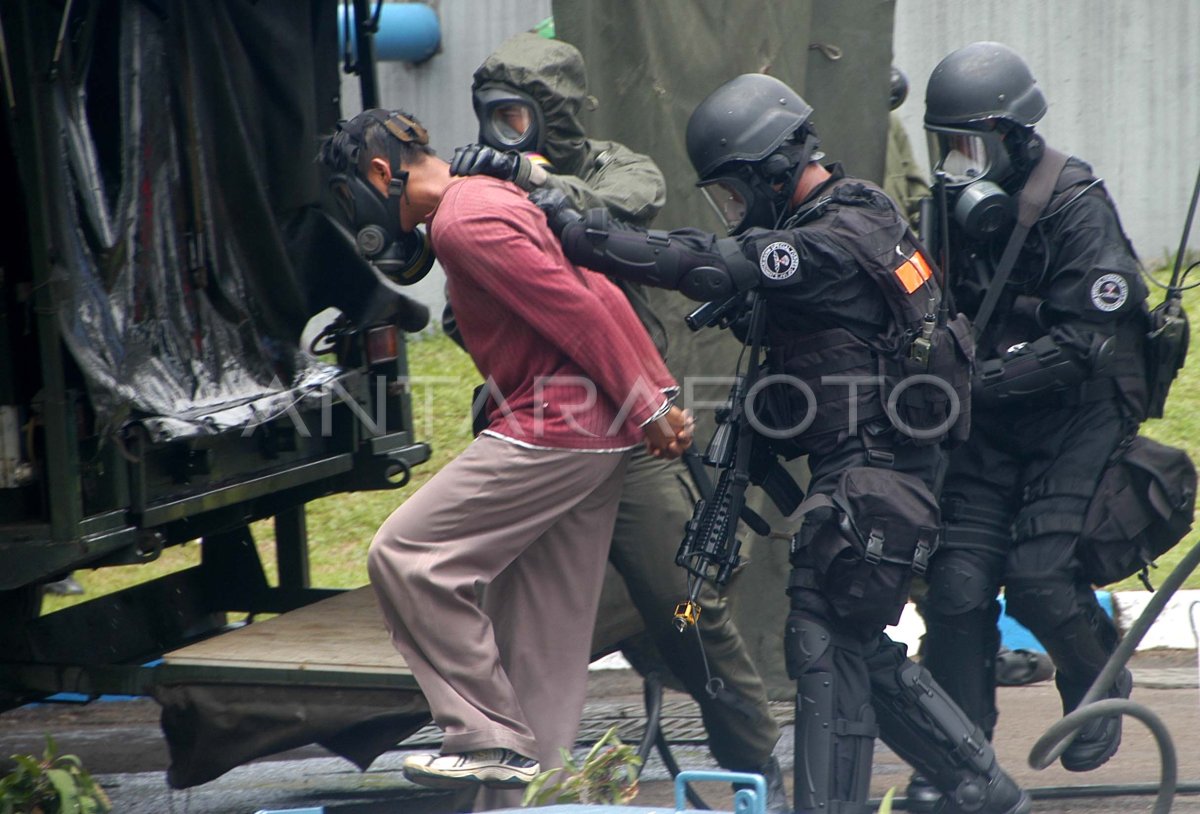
x=779, y=261
x=1109, y=292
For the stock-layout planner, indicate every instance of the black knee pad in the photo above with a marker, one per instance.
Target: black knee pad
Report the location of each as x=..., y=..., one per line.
x=806, y=643
x=1042, y=605
x=961, y=581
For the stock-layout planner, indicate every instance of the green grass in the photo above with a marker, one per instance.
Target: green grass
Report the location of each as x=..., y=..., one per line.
x=341, y=527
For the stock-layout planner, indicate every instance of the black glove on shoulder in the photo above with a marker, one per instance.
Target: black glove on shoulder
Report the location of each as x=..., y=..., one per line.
x=480, y=159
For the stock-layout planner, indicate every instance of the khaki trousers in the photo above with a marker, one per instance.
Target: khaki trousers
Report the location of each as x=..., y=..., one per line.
x=489, y=578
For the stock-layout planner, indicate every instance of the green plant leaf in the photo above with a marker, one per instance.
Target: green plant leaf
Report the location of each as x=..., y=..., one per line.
x=606, y=775
x=31, y=765
x=534, y=789
x=66, y=788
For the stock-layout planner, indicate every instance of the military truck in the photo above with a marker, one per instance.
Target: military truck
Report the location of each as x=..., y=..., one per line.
x=166, y=240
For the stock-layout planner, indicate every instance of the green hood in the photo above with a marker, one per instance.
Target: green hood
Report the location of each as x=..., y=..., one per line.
x=552, y=73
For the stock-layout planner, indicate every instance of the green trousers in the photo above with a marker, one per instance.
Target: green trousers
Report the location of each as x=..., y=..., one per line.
x=656, y=502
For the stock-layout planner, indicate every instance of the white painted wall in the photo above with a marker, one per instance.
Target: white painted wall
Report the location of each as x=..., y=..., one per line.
x=1122, y=78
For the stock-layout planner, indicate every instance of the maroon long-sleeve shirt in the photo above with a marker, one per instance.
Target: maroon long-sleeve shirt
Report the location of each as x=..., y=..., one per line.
x=569, y=363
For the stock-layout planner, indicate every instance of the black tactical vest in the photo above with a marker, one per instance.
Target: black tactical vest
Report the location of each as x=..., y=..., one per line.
x=834, y=380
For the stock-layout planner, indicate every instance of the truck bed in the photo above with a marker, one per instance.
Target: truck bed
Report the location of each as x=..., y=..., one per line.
x=340, y=641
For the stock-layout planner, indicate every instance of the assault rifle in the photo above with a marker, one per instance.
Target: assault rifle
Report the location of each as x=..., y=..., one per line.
x=710, y=548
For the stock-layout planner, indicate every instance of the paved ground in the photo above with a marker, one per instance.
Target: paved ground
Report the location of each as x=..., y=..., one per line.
x=121, y=743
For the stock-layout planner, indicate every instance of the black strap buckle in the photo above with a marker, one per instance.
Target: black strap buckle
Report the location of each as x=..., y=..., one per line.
x=881, y=457
x=921, y=556
x=874, y=552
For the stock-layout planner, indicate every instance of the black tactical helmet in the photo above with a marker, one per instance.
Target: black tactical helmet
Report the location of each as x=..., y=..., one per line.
x=749, y=141
x=743, y=120
x=898, y=90
x=980, y=107
x=980, y=81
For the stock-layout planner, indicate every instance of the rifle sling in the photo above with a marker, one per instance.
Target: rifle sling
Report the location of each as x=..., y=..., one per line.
x=1031, y=202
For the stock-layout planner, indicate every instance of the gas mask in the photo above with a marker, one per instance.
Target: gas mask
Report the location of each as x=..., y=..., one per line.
x=508, y=119
x=759, y=193
x=403, y=257
x=972, y=163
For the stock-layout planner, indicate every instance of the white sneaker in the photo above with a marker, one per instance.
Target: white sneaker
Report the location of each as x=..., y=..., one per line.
x=496, y=768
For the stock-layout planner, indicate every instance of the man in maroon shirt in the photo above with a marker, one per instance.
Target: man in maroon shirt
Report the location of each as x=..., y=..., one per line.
x=489, y=576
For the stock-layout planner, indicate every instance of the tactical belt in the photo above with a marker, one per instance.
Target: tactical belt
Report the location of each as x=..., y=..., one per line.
x=1043, y=524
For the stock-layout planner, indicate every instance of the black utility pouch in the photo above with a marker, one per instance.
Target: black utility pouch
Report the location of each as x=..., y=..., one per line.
x=932, y=394
x=882, y=530
x=1166, y=351
x=1141, y=508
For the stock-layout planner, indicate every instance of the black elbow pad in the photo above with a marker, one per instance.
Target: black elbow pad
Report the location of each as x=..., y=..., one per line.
x=685, y=262
x=1041, y=366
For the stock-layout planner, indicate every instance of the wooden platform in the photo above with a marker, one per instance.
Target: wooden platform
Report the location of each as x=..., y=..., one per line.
x=340, y=636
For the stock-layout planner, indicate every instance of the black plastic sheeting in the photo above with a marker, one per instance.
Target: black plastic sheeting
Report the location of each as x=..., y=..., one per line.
x=211, y=729
x=189, y=245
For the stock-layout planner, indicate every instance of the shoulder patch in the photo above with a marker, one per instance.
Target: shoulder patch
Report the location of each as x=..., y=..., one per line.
x=779, y=261
x=1109, y=292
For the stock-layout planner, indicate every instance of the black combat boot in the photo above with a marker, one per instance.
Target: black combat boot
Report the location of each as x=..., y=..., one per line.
x=993, y=792
x=1099, y=738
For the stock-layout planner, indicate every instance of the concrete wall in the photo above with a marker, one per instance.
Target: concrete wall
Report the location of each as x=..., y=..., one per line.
x=1122, y=78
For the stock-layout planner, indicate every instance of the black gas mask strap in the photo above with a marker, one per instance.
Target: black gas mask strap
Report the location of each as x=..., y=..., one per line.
x=802, y=153
x=404, y=257
x=1031, y=202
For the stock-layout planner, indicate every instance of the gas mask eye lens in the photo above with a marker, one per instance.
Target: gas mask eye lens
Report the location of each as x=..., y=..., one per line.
x=963, y=157
x=728, y=200
x=508, y=118
x=511, y=122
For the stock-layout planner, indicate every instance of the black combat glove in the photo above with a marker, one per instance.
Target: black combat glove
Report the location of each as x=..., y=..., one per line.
x=480, y=159
x=557, y=208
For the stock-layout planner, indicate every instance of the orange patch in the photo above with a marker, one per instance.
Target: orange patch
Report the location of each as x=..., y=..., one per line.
x=913, y=272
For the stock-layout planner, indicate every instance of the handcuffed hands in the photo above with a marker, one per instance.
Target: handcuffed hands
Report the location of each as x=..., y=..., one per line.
x=671, y=434
x=557, y=208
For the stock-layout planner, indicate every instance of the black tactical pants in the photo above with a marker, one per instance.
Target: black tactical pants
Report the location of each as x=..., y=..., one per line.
x=833, y=638
x=1013, y=506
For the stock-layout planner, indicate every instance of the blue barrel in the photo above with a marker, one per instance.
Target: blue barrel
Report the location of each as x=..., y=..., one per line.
x=408, y=32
